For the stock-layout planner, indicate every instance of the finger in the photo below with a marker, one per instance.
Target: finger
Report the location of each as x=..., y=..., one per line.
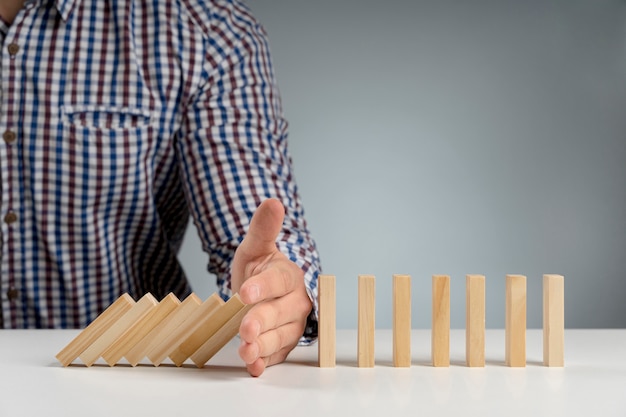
x=272, y=314
x=284, y=337
x=258, y=367
x=276, y=281
x=265, y=226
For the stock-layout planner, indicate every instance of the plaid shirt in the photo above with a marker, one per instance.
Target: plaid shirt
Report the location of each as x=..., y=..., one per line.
x=120, y=119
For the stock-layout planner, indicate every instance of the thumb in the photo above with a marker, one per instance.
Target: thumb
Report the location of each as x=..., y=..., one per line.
x=265, y=226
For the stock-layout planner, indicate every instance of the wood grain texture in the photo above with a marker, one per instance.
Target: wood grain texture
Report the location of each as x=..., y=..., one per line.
x=366, y=320
x=221, y=337
x=94, y=330
x=553, y=320
x=172, y=340
x=401, y=320
x=209, y=325
x=118, y=329
x=440, y=340
x=515, y=323
x=327, y=325
x=475, y=320
x=123, y=345
x=167, y=325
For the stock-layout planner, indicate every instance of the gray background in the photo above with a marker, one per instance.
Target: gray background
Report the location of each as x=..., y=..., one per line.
x=454, y=137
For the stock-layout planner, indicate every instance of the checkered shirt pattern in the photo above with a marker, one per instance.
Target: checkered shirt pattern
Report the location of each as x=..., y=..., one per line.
x=122, y=119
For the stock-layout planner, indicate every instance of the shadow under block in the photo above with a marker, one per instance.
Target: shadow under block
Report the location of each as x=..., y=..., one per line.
x=139, y=330
x=94, y=330
x=160, y=331
x=118, y=329
x=475, y=320
x=553, y=320
x=366, y=321
x=190, y=323
x=515, y=321
x=401, y=320
x=327, y=326
x=224, y=334
x=208, y=326
x=440, y=341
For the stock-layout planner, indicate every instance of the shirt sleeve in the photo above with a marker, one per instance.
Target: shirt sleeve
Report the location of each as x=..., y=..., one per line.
x=233, y=149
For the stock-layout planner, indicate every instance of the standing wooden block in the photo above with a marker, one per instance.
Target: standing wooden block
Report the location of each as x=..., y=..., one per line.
x=515, y=326
x=440, y=341
x=189, y=324
x=553, y=320
x=94, y=330
x=166, y=326
x=401, y=321
x=366, y=321
x=327, y=325
x=141, y=329
x=222, y=336
x=208, y=326
x=118, y=329
x=475, y=320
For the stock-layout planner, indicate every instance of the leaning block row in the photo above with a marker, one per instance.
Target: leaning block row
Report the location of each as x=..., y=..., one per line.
x=515, y=320
x=157, y=330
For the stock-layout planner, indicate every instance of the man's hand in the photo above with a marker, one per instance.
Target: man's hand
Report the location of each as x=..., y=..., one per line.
x=262, y=275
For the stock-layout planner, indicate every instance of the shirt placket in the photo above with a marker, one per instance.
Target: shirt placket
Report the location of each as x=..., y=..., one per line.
x=10, y=196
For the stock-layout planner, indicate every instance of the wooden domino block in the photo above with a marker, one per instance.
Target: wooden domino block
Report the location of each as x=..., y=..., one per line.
x=139, y=330
x=118, y=329
x=475, y=320
x=553, y=320
x=515, y=325
x=366, y=321
x=172, y=340
x=223, y=335
x=94, y=330
x=327, y=325
x=207, y=327
x=401, y=321
x=165, y=327
x=440, y=341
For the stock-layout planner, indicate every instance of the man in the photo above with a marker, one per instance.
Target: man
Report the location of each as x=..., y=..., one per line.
x=122, y=118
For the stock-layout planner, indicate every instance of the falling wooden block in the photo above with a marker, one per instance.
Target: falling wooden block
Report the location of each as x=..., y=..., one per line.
x=140, y=329
x=401, y=321
x=327, y=325
x=118, y=329
x=553, y=320
x=189, y=324
x=223, y=335
x=165, y=327
x=475, y=320
x=208, y=326
x=440, y=341
x=366, y=321
x=515, y=325
x=94, y=330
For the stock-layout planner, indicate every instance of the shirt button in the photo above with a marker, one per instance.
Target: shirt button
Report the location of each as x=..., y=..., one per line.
x=9, y=136
x=10, y=218
x=12, y=294
x=13, y=48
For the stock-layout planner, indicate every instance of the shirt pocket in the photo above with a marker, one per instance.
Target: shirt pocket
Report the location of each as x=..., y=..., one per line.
x=106, y=117
x=107, y=158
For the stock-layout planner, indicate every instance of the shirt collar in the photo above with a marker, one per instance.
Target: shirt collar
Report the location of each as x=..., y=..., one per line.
x=65, y=7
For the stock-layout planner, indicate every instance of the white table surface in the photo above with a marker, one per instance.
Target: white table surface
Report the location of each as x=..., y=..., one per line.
x=592, y=383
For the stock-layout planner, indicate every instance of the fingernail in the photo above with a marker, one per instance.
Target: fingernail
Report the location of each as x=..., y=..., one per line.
x=255, y=293
x=255, y=350
x=254, y=325
x=257, y=328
